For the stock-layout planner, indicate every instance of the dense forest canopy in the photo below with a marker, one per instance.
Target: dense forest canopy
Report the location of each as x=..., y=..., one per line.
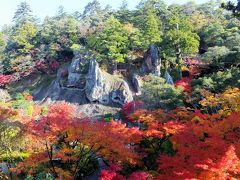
x=176, y=67
x=118, y=35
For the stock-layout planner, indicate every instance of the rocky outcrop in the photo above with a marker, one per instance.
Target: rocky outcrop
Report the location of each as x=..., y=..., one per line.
x=168, y=78
x=4, y=96
x=136, y=84
x=73, y=73
x=96, y=111
x=77, y=71
x=152, y=61
x=121, y=93
x=105, y=88
x=87, y=83
x=97, y=88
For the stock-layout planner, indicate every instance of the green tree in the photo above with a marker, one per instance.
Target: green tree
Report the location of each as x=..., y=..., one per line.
x=124, y=15
x=91, y=8
x=212, y=34
x=179, y=37
x=24, y=36
x=114, y=40
x=60, y=12
x=2, y=42
x=58, y=34
x=2, y=46
x=216, y=54
x=157, y=94
x=23, y=14
x=93, y=15
x=231, y=6
x=148, y=19
x=151, y=30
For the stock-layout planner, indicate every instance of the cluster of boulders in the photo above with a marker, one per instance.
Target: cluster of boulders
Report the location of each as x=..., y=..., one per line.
x=84, y=82
x=102, y=87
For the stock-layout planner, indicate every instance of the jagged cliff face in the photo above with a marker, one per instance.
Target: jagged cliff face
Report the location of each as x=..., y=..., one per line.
x=84, y=82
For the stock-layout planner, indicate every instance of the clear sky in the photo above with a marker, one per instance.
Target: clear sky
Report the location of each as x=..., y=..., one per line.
x=42, y=8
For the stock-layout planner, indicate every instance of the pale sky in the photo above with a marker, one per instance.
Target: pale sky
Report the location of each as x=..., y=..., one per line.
x=42, y=8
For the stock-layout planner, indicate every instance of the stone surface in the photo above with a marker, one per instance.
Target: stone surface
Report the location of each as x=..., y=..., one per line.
x=4, y=96
x=97, y=88
x=168, y=78
x=105, y=88
x=3, y=168
x=86, y=83
x=97, y=111
x=136, y=83
x=73, y=73
x=77, y=70
x=152, y=61
x=122, y=93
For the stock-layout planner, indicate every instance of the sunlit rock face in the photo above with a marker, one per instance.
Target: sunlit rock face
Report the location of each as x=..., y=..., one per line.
x=84, y=82
x=104, y=88
x=4, y=96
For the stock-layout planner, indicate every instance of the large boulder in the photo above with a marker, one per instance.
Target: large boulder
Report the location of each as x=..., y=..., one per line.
x=85, y=83
x=105, y=88
x=77, y=70
x=73, y=73
x=121, y=93
x=136, y=84
x=152, y=61
x=97, y=88
x=168, y=78
x=4, y=96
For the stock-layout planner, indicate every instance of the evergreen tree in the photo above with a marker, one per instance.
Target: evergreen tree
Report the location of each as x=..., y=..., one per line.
x=124, y=15
x=231, y=6
x=60, y=12
x=23, y=14
x=151, y=30
x=24, y=36
x=94, y=16
x=92, y=8
x=179, y=36
x=115, y=40
x=148, y=19
x=2, y=44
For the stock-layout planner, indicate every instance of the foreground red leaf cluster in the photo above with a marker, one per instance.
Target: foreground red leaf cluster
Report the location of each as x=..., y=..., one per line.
x=159, y=144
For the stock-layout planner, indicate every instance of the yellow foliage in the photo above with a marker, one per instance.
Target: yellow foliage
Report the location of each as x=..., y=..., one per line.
x=226, y=102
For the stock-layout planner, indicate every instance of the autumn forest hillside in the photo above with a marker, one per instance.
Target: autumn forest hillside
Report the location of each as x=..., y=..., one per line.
x=121, y=94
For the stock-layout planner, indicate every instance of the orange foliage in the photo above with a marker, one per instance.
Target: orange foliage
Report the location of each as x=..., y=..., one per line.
x=61, y=128
x=224, y=103
x=205, y=150
x=206, y=145
x=7, y=112
x=188, y=144
x=111, y=140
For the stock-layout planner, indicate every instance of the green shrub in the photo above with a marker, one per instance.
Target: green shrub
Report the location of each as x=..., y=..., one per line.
x=219, y=81
x=157, y=94
x=20, y=102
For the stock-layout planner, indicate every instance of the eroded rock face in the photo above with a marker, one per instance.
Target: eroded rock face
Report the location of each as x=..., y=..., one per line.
x=85, y=82
x=121, y=94
x=152, y=61
x=97, y=89
x=136, y=83
x=77, y=71
x=73, y=73
x=168, y=78
x=100, y=87
x=4, y=96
